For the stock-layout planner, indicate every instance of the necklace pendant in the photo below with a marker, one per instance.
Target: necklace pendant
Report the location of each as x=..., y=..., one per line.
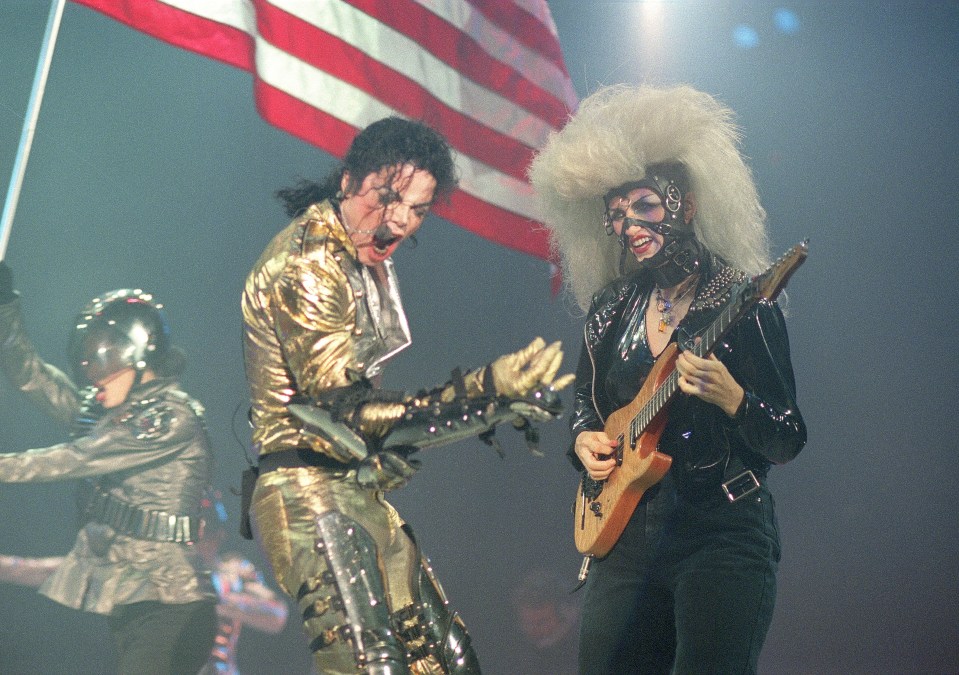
x=663, y=323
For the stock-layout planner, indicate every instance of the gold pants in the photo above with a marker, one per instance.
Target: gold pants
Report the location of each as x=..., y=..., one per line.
x=284, y=509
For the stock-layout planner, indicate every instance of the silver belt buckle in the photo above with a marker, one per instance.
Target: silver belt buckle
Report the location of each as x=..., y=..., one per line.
x=744, y=484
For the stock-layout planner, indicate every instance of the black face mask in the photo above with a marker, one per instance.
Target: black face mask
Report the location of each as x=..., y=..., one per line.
x=681, y=253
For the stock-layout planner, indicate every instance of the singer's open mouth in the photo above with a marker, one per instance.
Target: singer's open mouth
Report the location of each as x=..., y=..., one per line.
x=383, y=238
x=384, y=246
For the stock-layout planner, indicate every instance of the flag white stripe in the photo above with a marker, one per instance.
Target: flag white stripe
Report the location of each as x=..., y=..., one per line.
x=237, y=14
x=356, y=107
x=506, y=49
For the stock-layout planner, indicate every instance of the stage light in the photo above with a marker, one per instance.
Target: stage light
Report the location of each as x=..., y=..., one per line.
x=787, y=22
x=745, y=36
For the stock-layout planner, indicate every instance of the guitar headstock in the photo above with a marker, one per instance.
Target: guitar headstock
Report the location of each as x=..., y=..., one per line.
x=746, y=293
x=771, y=282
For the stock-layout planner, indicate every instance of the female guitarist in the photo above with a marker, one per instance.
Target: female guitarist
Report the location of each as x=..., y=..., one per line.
x=689, y=584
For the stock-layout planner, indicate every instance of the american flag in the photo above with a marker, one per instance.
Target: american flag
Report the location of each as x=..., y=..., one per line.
x=488, y=74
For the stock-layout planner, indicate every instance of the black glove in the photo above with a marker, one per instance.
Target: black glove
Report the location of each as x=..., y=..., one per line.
x=7, y=294
x=385, y=470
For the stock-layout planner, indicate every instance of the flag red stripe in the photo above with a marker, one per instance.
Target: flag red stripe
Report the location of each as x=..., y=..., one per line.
x=495, y=224
x=523, y=26
x=331, y=54
x=303, y=120
x=464, y=54
x=181, y=29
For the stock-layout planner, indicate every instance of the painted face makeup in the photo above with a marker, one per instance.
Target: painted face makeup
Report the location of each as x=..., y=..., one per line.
x=388, y=207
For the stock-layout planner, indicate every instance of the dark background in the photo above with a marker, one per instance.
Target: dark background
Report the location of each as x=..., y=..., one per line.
x=151, y=168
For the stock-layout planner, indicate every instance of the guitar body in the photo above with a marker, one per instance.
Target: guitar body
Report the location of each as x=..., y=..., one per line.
x=600, y=519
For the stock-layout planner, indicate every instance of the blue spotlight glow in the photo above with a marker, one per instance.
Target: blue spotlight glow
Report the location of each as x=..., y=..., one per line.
x=745, y=36
x=787, y=22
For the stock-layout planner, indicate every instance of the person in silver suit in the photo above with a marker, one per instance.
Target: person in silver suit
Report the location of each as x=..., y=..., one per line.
x=139, y=445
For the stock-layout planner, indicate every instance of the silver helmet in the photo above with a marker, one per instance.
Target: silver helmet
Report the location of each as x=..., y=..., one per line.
x=125, y=328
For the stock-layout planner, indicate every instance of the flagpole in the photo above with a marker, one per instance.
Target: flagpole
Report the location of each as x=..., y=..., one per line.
x=30, y=123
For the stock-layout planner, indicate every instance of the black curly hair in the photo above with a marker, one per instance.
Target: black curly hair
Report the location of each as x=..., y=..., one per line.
x=386, y=142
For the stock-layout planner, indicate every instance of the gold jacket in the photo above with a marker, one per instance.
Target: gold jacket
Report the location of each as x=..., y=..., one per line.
x=314, y=318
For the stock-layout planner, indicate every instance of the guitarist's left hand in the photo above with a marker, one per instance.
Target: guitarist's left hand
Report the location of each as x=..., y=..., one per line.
x=710, y=380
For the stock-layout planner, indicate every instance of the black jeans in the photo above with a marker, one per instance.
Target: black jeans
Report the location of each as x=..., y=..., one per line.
x=159, y=639
x=687, y=589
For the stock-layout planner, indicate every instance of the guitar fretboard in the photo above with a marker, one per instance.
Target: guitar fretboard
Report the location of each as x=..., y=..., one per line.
x=766, y=285
x=665, y=392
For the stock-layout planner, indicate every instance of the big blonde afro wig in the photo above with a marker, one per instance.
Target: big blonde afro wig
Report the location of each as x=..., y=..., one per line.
x=615, y=135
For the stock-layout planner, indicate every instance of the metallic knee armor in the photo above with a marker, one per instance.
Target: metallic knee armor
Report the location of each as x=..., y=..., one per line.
x=350, y=553
x=431, y=632
x=433, y=635
x=423, y=638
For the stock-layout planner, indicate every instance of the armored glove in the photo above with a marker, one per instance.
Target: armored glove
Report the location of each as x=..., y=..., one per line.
x=512, y=376
x=520, y=373
x=7, y=294
x=380, y=429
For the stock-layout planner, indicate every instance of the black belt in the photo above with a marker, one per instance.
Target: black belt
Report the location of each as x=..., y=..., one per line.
x=130, y=520
x=740, y=480
x=713, y=488
x=295, y=458
x=740, y=485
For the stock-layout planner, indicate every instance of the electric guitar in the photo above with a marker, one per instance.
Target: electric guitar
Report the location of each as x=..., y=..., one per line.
x=604, y=507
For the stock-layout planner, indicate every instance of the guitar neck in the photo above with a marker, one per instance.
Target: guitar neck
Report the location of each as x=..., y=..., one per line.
x=742, y=297
x=665, y=392
x=720, y=326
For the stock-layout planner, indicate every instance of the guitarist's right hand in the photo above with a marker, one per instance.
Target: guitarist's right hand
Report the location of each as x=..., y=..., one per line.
x=594, y=449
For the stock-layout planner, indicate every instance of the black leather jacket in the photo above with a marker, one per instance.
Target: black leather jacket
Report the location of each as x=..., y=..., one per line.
x=707, y=445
